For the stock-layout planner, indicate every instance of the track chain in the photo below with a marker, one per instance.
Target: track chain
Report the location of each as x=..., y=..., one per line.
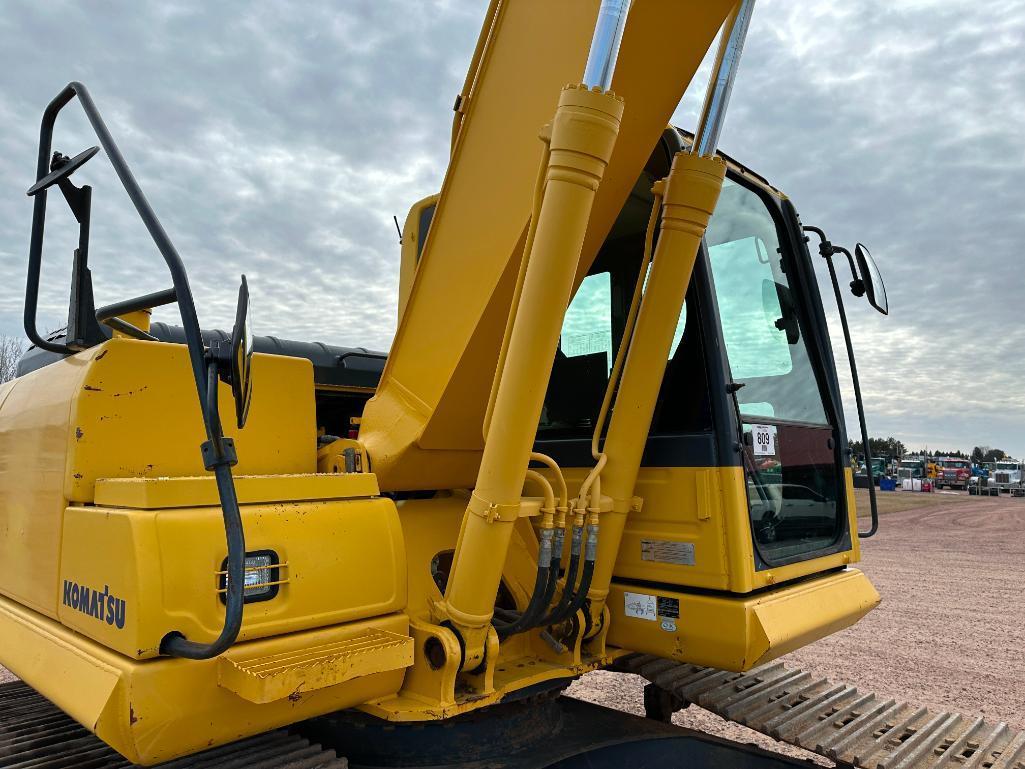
x=836, y=720
x=34, y=734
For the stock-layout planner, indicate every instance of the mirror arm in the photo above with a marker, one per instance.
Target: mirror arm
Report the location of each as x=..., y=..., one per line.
x=850, y=258
x=823, y=245
x=857, y=284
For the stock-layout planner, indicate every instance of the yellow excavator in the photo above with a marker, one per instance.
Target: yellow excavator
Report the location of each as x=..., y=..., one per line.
x=608, y=435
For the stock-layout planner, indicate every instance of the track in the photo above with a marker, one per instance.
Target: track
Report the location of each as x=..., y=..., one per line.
x=35, y=734
x=836, y=721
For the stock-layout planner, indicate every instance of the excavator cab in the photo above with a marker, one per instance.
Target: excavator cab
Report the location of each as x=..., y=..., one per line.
x=748, y=384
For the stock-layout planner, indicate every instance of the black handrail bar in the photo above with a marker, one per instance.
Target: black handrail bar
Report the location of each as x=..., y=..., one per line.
x=174, y=643
x=147, y=302
x=826, y=250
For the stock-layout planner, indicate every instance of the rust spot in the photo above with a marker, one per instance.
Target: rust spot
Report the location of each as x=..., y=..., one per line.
x=132, y=392
x=102, y=355
x=295, y=696
x=78, y=433
x=92, y=389
x=131, y=715
x=78, y=476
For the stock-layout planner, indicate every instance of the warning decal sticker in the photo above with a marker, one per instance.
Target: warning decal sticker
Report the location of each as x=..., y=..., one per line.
x=641, y=606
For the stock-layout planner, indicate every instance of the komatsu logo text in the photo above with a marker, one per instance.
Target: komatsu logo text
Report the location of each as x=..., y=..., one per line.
x=100, y=605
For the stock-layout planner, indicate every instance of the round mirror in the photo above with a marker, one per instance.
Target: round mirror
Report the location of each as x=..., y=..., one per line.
x=874, y=288
x=242, y=356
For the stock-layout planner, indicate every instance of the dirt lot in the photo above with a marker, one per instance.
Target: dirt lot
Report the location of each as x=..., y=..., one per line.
x=948, y=634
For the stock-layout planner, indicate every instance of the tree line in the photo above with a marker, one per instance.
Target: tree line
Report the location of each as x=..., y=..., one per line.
x=891, y=447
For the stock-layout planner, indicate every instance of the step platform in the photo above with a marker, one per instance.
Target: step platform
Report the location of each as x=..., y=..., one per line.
x=268, y=678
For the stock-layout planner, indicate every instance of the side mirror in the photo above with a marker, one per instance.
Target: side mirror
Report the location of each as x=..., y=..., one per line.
x=238, y=372
x=875, y=290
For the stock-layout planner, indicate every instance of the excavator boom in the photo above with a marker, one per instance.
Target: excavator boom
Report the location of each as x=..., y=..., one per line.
x=423, y=426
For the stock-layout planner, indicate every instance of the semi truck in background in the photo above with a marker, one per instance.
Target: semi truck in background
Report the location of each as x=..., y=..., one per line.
x=953, y=472
x=1006, y=476
x=911, y=467
x=880, y=469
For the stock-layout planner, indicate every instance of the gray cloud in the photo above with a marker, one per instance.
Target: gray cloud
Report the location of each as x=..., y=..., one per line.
x=272, y=138
x=898, y=124
x=280, y=138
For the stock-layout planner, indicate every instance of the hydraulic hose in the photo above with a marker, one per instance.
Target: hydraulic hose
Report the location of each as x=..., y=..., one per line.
x=535, y=605
x=575, y=593
x=539, y=596
x=544, y=459
x=573, y=599
x=558, y=612
x=590, y=552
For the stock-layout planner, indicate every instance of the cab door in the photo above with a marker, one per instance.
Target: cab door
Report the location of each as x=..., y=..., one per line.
x=792, y=466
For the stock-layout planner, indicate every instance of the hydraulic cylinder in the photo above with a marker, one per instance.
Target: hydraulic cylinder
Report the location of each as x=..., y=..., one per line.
x=691, y=191
x=583, y=134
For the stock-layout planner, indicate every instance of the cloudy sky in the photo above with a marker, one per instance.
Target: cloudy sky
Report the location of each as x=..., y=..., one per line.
x=280, y=138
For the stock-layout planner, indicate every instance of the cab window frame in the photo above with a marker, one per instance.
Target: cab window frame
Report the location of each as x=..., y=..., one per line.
x=796, y=259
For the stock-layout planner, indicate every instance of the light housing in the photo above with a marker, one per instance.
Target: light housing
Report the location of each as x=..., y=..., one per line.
x=262, y=575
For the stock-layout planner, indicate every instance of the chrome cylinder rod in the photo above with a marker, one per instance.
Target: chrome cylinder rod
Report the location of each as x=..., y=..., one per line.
x=608, y=34
x=717, y=97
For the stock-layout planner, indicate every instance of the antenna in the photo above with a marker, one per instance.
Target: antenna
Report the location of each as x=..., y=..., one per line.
x=397, y=228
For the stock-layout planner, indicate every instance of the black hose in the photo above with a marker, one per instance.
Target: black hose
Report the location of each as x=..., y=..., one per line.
x=571, y=575
x=547, y=557
x=573, y=597
x=580, y=595
x=553, y=571
x=590, y=556
x=534, y=608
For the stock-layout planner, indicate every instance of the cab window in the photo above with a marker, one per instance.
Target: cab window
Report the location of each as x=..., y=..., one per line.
x=791, y=465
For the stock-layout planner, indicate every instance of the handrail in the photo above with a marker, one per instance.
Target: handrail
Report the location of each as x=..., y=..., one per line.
x=174, y=644
x=826, y=250
x=179, y=278
x=110, y=315
x=147, y=302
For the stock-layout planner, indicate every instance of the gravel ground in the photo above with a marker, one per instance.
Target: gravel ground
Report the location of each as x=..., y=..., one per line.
x=948, y=634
